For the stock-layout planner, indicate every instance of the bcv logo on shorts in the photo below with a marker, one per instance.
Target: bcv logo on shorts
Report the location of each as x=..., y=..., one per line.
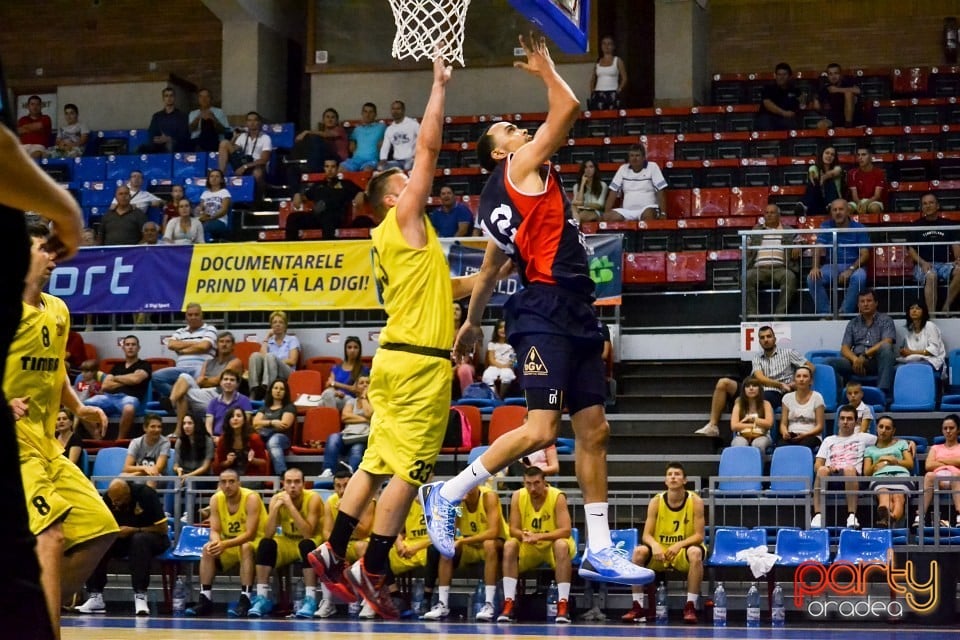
x=533, y=364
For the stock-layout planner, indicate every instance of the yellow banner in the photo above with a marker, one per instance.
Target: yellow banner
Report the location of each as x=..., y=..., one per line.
x=282, y=275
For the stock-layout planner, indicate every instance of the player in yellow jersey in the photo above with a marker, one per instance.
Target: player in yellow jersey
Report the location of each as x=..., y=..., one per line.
x=299, y=516
x=540, y=533
x=483, y=532
x=672, y=539
x=72, y=524
x=237, y=520
x=411, y=373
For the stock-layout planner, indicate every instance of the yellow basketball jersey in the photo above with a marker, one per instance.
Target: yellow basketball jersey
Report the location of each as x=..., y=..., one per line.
x=414, y=287
x=415, y=526
x=35, y=368
x=289, y=527
x=234, y=524
x=471, y=523
x=540, y=520
x=674, y=526
x=333, y=506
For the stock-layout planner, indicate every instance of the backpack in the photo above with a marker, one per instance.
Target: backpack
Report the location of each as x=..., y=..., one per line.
x=479, y=391
x=459, y=430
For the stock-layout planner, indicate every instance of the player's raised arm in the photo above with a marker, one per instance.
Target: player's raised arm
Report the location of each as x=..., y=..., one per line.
x=563, y=108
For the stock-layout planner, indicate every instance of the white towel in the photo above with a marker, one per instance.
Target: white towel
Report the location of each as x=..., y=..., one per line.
x=759, y=559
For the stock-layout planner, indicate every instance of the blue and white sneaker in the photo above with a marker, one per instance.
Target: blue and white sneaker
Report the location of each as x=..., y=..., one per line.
x=307, y=609
x=612, y=565
x=441, y=517
x=260, y=607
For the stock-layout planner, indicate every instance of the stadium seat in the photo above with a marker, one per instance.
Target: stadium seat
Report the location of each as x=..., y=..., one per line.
x=686, y=266
x=97, y=194
x=712, y=203
x=866, y=545
x=244, y=350
x=825, y=382
x=645, y=268
x=305, y=382
x=821, y=355
x=323, y=364
x=727, y=542
x=241, y=188
x=188, y=165
x=319, y=423
x=791, y=461
x=625, y=539
x=281, y=134
x=914, y=388
x=156, y=166
x=739, y=462
x=876, y=399
x=796, y=546
x=505, y=418
x=120, y=166
x=475, y=453
x=476, y=423
x=109, y=462
x=190, y=542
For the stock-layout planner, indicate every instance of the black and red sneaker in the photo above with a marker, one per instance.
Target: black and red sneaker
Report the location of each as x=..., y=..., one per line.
x=373, y=589
x=330, y=570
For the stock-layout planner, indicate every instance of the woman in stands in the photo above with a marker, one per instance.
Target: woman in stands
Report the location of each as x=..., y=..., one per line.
x=801, y=422
x=342, y=383
x=355, y=417
x=500, y=360
x=278, y=357
x=69, y=437
x=464, y=367
x=608, y=79
x=170, y=209
x=825, y=183
x=752, y=417
x=274, y=423
x=590, y=193
x=184, y=229
x=194, y=450
x=888, y=461
x=215, y=207
x=240, y=448
x=922, y=341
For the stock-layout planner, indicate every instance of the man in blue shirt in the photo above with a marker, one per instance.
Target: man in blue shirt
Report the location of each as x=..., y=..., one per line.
x=451, y=219
x=845, y=267
x=868, y=345
x=365, y=141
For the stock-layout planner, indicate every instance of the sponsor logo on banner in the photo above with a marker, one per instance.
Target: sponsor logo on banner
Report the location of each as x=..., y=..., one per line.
x=750, y=341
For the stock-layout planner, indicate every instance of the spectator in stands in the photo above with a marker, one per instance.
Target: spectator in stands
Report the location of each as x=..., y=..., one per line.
x=846, y=267
x=76, y=353
x=937, y=262
x=801, y=419
x=169, y=130
x=779, y=102
x=222, y=406
x=274, y=424
x=854, y=393
x=237, y=521
x=590, y=193
x=365, y=140
x=399, y=139
x=752, y=417
x=641, y=183
x=331, y=199
x=240, y=447
x=452, y=218
x=214, y=207
x=868, y=346
x=868, y=184
x=540, y=532
x=89, y=382
x=148, y=454
x=194, y=394
x=248, y=152
x=139, y=197
x=841, y=455
x=672, y=539
x=775, y=367
x=922, y=341
x=149, y=234
x=943, y=461
x=500, y=360
x=68, y=436
x=125, y=388
x=836, y=101
x=184, y=229
x=35, y=129
x=769, y=264
x=544, y=459
x=170, y=208
x=609, y=78
x=327, y=142
x=88, y=237
x=464, y=366
x=208, y=123
x=277, y=359
x=72, y=137
x=143, y=535
x=194, y=344
x=889, y=461
x=825, y=183
x=194, y=450
x=122, y=224
x=352, y=438
x=342, y=382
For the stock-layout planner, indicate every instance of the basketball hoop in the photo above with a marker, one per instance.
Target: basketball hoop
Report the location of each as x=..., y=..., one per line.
x=427, y=28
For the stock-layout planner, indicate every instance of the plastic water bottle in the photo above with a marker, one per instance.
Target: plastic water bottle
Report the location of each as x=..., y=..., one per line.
x=299, y=593
x=662, y=604
x=479, y=596
x=720, y=606
x=552, y=597
x=353, y=609
x=416, y=598
x=753, y=606
x=778, y=614
x=179, y=597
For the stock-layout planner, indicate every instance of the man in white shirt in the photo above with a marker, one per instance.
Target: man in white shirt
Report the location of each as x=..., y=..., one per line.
x=249, y=151
x=841, y=455
x=140, y=198
x=641, y=184
x=400, y=138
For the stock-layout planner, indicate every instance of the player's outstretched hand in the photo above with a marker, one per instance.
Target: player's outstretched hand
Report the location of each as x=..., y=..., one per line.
x=441, y=72
x=92, y=416
x=466, y=338
x=538, y=56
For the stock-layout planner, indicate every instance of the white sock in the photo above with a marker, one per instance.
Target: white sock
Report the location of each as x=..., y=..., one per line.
x=324, y=591
x=263, y=590
x=642, y=599
x=208, y=593
x=693, y=597
x=491, y=592
x=563, y=591
x=637, y=592
x=311, y=592
x=443, y=595
x=509, y=588
x=473, y=476
x=598, y=528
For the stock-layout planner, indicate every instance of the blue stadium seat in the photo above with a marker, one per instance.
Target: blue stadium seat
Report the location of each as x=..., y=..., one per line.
x=193, y=187
x=137, y=137
x=89, y=169
x=111, y=141
x=189, y=165
x=727, y=542
x=791, y=460
x=950, y=402
x=626, y=539
x=119, y=167
x=97, y=194
x=60, y=169
x=84, y=462
x=821, y=355
x=739, y=462
x=475, y=453
x=914, y=388
x=282, y=134
x=240, y=188
x=825, y=382
x=876, y=399
x=109, y=462
x=796, y=546
x=867, y=545
x=190, y=543
x=156, y=166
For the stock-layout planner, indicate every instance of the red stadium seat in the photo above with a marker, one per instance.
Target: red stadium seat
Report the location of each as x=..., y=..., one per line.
x=713, y=203
x=319, y=423
x=644, y=268
x=687, y=266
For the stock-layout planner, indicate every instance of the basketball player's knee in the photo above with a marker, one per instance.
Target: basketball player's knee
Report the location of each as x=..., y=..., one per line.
x=490, y=549
x=51, y=541
x=640, y=555
x=560, y=551
x=247, y=551
x=511, y=548
x=594, y=439
x=267, y=553
x=305, y=547
x=694, y=555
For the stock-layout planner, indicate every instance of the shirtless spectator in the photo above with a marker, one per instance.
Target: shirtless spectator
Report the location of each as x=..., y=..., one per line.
x=935, y=263
x=248, y=152
x=868, y=184
x=641, y=184
x=841, y=455
x=452, y=218
x=780, y=102
x=123, y=223
x=169, y=130
x=208, y=123
x=35, y=129
x=71, y=137
x=365, y=140
x=399, y=139
x=837, y=99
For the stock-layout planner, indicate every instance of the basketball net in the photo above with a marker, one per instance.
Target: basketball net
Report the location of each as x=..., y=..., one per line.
x=428, y=28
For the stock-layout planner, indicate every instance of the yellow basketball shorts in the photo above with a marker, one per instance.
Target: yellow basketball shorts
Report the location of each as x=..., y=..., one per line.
x=402, y=565
x=533, y=555
x=231, y=557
